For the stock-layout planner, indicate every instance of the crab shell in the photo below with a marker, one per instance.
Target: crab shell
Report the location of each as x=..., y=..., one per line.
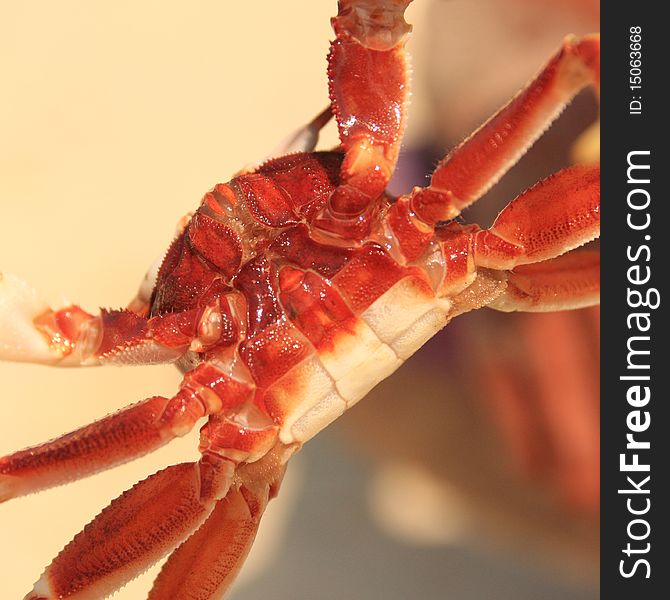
x=290, y=293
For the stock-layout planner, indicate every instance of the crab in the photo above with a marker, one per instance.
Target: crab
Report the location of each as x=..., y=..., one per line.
x=286, y=296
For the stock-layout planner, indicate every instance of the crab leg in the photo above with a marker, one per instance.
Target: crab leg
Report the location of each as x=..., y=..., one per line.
x=477, y=164
x=135, y=531
x=553, y=217
x=557, y=214
x=369, y=89
x=114, y=440
x=157, y=514
x=206, y=564
x=564, y=283
x=118, y=438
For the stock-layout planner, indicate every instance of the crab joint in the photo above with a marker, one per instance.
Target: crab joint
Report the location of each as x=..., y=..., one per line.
x=374, y=26
x=210, y=327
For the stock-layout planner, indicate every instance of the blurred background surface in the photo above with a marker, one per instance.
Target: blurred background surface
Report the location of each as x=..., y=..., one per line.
x=473, y=473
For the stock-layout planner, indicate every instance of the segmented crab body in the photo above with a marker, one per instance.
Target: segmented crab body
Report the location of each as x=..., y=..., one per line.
x=290, y=292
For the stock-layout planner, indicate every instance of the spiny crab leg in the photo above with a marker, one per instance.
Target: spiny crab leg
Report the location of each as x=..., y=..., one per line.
x=206, y=564
x=369, y=47
x=134, y=531
x=30, y=331
x=558, y=214
x=201, y=503
x=479, y=162
x=157, y=514
x=118, y=438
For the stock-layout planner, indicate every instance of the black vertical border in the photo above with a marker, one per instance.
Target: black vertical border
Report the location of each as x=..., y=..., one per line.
x=621, y=133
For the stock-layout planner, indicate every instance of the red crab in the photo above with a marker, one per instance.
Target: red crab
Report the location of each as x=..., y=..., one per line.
x=293, y=290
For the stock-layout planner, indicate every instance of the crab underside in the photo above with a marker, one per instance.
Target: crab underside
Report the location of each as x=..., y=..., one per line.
x=291, y=291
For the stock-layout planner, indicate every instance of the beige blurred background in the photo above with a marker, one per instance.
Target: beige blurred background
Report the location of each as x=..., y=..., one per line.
x=114, y=120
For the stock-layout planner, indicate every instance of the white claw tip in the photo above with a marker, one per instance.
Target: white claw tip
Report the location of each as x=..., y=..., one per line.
x=19, y=305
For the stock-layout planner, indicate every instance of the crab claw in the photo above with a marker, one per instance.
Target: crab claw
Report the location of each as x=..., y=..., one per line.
x=20, y=305
x=30, y=331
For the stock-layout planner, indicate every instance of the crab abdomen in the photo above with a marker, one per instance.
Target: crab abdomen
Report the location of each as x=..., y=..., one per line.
x=357, y=353
x=326, y=324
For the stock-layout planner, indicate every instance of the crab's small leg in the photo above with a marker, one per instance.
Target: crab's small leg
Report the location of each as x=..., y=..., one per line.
x=564, y=283
x=306, y=138
x=369, y=90
x=118, y=438
x=477, y=164
x=157, y=514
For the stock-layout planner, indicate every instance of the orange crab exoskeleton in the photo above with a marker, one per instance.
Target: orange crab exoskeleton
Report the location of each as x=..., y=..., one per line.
x=290, y=293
